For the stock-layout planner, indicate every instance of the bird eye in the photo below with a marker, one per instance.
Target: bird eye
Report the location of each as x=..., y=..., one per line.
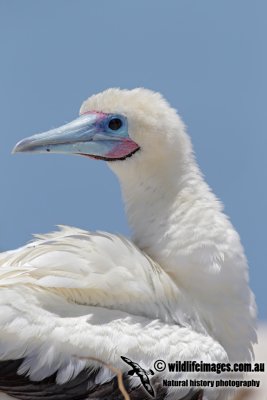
x=115, y=124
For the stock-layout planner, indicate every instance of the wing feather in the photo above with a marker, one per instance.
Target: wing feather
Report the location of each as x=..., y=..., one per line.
x=71, y=296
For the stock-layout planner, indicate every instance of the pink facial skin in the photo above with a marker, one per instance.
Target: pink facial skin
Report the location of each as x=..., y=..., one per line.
x=99, y=113
x=125, y=148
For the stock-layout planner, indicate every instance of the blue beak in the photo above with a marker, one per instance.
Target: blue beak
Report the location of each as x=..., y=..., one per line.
x=88, y=135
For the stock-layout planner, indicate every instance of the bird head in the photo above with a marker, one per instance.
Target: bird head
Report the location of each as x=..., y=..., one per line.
x=119, y=126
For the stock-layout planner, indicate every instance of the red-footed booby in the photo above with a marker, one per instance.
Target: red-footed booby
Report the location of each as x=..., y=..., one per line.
x=178, y=291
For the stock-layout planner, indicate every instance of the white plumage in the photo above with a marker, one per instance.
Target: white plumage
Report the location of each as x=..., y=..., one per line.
x=179, y=291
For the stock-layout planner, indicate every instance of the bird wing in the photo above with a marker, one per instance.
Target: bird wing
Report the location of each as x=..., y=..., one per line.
x=84, y=386
x=86, y=268
x=69, y=302
x=53, y=349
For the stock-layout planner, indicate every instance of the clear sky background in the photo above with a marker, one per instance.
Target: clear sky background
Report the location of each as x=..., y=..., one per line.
x=209, y=58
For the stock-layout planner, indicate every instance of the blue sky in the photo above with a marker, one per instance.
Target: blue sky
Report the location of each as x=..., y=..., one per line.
x=207, y=57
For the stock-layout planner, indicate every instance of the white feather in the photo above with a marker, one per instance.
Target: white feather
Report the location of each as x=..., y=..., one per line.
x=179, y=293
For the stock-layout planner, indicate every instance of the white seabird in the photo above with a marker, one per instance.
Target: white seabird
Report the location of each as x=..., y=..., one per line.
x=178, y=291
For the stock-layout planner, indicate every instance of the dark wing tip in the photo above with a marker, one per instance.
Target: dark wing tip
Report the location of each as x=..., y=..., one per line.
x=83, y=387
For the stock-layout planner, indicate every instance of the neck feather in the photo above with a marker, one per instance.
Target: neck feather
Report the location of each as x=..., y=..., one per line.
x=178, y=221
